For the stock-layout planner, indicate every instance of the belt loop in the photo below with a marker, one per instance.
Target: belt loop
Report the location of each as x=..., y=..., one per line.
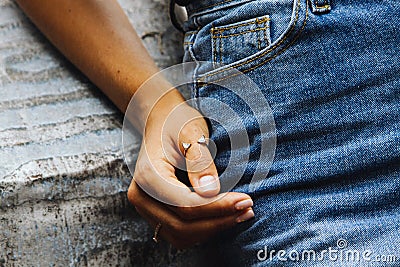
x=172, y=16
x=320, y=6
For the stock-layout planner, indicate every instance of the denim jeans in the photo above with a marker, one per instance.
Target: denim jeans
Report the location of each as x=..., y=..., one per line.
x=330, y=71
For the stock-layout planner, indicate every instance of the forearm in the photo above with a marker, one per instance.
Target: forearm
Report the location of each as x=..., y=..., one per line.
x=97, y=37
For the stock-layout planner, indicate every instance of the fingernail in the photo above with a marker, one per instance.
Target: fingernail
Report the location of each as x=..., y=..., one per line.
x=208, y=183
x=244, y=204
x=245, y=216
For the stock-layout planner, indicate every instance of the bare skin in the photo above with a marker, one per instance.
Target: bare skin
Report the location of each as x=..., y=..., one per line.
x=97, y=38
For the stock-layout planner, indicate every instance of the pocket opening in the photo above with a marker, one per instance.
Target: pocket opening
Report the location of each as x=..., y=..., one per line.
x=293, y=30
x=251, y=35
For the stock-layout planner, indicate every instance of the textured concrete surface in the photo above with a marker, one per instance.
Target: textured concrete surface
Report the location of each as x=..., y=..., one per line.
x=62, y=177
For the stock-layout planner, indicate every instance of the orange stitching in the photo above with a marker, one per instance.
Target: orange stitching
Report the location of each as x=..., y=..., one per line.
x=222, y=28
x=259, y=39
x=187, y=34
x=271, y=58
x=265, y=52
x=190, y=33
x=265, y=33
x=239, y=33
x=323, y=7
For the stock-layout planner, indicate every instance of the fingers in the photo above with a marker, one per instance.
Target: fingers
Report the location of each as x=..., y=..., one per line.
x=167, y=189
x=200, y=165
x=227, y=204
x=201, y=170
x=183, y=234
x=180, y=232
x=157, y=178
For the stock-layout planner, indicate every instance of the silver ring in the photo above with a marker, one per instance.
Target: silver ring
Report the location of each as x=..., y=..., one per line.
x=155, y=237
x=202, y=140
x=186, y=147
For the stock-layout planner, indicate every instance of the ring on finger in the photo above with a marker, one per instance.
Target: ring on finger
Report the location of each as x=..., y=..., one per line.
x=156, y=231
x=202, y=141
x=186, y=147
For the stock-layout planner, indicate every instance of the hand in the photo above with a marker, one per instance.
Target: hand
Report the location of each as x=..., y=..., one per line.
x=187, y=217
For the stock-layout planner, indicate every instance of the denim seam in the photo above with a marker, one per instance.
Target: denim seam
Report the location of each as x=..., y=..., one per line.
x=195, y=90
x=268, y=50
x=239, y=33
x=214, y=48
x=277, y=54
x=265, y=61
x=189, y=35
x=256, y=21
x=191, y=32
x=217, y=39
x=220, y=50
x=265, y=34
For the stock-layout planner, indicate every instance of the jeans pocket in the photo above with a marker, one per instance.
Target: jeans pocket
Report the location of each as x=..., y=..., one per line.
x=239, y=40
x=240, y=48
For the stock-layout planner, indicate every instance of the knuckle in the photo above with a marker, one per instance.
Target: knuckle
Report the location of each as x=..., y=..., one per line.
x=221, y=210
x=142, y=175
x=186, y=213
x=177, y=228
x=185, y=132
x=226, y=206
x=142, y=168
x=200, y=163
x=133, y=195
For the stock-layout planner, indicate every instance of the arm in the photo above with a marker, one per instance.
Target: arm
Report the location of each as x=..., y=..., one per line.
x=97, y=37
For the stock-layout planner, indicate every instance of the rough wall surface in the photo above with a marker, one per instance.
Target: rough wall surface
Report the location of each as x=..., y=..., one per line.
x=63, y=181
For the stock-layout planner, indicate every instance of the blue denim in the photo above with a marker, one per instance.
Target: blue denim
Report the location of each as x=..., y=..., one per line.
x=330, y=71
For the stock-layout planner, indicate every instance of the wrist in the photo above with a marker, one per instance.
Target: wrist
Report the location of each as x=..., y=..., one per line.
x=172, y=107
x=152, y=101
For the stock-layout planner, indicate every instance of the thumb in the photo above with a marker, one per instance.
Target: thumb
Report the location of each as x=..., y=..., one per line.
x=201, y=169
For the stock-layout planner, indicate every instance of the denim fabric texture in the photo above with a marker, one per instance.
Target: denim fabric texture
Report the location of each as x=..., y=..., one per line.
x=330, y=70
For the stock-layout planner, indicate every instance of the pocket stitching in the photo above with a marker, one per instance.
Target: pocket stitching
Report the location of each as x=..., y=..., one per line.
x=268, y=59
x=240, y=33
x=253, y=21
x=214, y=45
x=268, y=50
x=220, y=29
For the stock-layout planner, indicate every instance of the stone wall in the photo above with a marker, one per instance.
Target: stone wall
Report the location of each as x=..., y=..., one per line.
x=63, y=180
